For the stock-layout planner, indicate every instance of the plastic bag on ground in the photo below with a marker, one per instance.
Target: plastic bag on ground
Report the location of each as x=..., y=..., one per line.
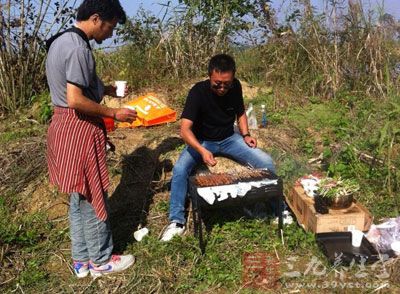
x=251, y=117
x=151, y=111
x=385, y=234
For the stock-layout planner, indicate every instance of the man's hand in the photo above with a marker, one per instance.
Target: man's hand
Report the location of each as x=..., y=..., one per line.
x=250, y=141
x=208, y=158
x=125, y=115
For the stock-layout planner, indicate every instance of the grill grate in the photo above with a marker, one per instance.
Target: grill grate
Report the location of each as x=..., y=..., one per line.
x=218, y=179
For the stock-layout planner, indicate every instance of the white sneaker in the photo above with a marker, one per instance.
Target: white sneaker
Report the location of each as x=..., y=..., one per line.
x=81, y=269
x=117, y=263
x=172, y=230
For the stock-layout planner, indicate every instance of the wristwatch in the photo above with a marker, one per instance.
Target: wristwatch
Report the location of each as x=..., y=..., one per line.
x=246, y=135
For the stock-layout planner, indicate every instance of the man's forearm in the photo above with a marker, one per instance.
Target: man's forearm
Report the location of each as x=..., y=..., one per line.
x=191, y=140
x=242, y=123
x=84, y=105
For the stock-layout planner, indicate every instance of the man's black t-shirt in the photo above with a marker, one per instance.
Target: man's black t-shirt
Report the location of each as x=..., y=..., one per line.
x=212, y=115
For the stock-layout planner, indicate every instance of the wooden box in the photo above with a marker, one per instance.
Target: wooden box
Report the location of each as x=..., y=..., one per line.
x=337, y=220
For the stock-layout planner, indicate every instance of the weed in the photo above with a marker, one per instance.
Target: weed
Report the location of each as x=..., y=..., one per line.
x=290, y=168
x=23, y=231
x=297, y=238
x=275, y=118
x=347, y=164
x=9, y=136
x=251, y=69
x=32, y=274
x=307, y=144
x=162, y=206
x=46, y=109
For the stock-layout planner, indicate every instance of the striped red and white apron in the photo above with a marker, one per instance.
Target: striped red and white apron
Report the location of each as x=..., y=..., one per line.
x=76, y=156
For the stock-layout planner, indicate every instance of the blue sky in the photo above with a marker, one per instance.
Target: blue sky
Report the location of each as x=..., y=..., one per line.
x=132, y=6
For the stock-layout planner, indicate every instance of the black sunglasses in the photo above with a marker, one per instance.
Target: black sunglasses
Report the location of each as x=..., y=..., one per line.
x=220, y=85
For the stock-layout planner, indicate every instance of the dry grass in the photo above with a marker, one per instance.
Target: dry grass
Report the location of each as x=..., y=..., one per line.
x=140, y=171
x=23, y=29
x=22, y=164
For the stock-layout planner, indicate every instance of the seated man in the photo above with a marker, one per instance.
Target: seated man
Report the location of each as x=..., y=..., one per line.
x=207, y=128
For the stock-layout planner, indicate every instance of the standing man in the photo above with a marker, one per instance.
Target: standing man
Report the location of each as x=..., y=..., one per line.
x=76, y=142
x=211, y=109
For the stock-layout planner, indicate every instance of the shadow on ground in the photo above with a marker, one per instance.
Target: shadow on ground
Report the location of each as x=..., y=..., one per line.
x=129, y=204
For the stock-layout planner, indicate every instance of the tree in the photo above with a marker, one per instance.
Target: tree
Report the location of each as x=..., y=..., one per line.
x=24, y=26
x=223, y=18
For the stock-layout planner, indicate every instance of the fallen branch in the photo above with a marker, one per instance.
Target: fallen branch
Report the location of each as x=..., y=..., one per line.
x=369, y=159
x=364, y=157
x=5, y=282
x=316, y=159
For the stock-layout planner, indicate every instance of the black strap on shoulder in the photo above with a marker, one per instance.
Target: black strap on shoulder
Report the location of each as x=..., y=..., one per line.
x=73, y=30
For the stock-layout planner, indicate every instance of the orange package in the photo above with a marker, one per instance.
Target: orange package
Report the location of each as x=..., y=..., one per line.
x=151, y=111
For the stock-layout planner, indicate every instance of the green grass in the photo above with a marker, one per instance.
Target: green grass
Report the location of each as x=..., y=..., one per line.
x=22, y=231
x=24, y=237
x=162, y=206
x=337, y=129
x=180, y=266
x=10, y=136
x=289, y=167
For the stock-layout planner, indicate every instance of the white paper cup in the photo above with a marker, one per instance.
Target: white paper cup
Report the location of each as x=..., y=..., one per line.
x=140, y=234
x=356, y=238
x=396, y=247
x=121, y=86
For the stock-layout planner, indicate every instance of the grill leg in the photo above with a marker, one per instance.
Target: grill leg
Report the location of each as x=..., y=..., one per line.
x=200, y=236
x=280, y=215
x=195, y=224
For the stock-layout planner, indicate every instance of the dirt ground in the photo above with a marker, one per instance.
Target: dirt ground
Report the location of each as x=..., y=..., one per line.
x=140, y=170
x=140, y=166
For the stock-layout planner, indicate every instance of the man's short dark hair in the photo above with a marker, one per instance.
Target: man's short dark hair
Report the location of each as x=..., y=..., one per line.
x=221, y=63
x=108, y=10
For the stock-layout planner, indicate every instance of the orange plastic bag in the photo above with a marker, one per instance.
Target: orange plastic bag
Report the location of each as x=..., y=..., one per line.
x=151, y=111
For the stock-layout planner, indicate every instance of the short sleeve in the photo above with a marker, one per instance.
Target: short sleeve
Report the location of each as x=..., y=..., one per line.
x=192, y=105
x=79, y=67
x=239, y=107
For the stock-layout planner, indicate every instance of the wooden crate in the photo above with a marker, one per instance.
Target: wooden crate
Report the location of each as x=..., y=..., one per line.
x=337, y=220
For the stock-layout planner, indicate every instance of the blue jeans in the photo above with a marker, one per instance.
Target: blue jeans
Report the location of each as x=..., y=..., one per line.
x=91, y=238
x=233, y=146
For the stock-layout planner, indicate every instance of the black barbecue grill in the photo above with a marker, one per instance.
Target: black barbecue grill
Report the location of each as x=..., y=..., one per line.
x=271, y=192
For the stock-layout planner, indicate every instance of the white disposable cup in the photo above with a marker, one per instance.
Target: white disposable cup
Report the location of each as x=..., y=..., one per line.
x=396, y=247
x=140, y=234
x=356, y=238
x=121, y=86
